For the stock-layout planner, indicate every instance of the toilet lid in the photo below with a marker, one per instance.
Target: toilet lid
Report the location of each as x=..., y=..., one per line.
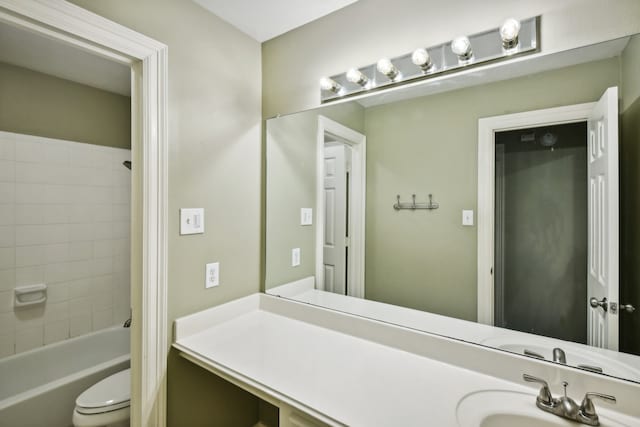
x=113, y=392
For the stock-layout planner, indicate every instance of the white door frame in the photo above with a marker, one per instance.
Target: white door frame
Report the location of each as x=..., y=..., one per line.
x=487, y=128
x=68, y=23
x=358, y=144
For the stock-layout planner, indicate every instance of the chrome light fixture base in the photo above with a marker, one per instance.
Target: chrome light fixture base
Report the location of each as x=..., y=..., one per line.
x=485, y=47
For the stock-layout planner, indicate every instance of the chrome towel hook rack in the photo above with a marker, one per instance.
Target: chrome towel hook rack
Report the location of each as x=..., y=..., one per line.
x=413, y=205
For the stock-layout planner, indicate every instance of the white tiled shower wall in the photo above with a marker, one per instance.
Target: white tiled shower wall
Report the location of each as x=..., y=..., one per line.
x=64, y=221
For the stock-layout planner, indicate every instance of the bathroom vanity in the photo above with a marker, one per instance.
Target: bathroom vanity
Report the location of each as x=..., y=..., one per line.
x=323, y=367
x=389, y=303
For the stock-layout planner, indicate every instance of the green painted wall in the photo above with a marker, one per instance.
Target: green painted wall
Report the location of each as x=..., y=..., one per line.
x=630, y=60
x=426, y=259
x=34, y=103
x=291, y=185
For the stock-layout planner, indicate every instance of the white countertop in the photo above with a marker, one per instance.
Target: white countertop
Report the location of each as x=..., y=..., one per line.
x=344, y=379
x=354, y=381
x=613, y=363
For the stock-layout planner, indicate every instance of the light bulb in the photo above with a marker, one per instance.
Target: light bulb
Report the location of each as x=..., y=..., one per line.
x=461, y=46
x=329, y=85
x=386, y=67
x=355, y=76
x=509, y=33
x=421, y=58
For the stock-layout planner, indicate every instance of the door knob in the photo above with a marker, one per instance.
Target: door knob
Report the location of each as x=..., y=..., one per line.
x=627, y=307
x=593, y=302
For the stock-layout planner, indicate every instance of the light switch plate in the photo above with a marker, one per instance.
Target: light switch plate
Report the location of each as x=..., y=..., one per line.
x=191, y=221
x=467, y=217
x=306, y=216
x=212, y=275
x=295, y=257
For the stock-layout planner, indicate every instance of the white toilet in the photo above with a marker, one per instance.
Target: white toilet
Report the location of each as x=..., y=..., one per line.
x=105, y=403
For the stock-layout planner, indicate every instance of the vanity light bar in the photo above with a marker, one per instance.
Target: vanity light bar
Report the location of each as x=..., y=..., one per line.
x=512, y=38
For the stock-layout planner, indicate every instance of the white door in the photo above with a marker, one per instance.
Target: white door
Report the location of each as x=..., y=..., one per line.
x=335, y=217
x=602, y=276
x=499, y=252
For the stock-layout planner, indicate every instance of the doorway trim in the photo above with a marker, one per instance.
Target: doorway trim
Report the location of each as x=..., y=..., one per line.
x=358, y=144
x=71, y=24
x=487, y=128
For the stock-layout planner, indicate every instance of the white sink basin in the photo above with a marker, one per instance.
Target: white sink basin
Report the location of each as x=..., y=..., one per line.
x=504, y=408
x=513, y=420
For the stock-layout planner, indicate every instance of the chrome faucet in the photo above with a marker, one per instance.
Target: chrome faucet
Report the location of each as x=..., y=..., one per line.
x=565, y=406
x=559, y=356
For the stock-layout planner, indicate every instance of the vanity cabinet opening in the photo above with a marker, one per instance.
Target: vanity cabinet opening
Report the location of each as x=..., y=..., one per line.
x=268, y=414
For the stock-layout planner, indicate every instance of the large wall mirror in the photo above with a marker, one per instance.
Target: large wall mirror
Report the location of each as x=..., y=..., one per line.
x=497, y=206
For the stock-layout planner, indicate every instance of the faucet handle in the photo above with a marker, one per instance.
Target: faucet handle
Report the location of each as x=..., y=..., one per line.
x=544, y=396
x=587, y=408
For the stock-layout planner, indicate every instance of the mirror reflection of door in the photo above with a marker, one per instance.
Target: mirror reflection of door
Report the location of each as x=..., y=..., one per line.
x=337, y=166
x=603, y=275
x=340, y=198
x=556, y=213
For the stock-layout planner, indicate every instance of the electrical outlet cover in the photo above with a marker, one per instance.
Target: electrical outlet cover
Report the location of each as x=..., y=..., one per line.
x=212, y=275
x=295, y=257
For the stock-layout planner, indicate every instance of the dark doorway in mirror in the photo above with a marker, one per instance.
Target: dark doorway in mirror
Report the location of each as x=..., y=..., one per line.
x=630, y=229
x=541, y=231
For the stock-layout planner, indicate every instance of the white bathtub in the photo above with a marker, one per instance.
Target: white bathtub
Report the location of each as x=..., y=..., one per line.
x=39, y=387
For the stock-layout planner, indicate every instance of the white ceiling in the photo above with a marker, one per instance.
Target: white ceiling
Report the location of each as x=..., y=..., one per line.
x=266, y=19
x=38, y=53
